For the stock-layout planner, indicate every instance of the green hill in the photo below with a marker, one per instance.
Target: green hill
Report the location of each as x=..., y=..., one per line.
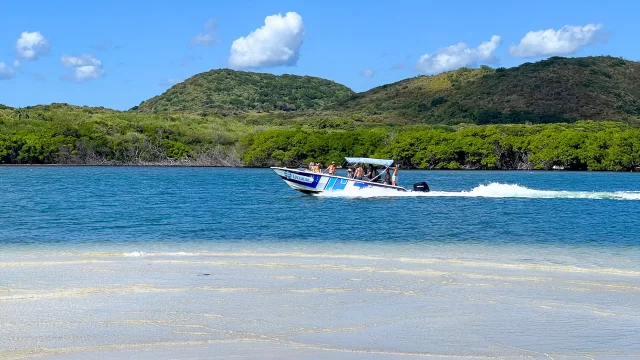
x=549, y=91
x=554, y=90
x=232, y=91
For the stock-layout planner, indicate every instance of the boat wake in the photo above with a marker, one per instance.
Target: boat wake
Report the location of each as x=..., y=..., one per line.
x=492, y=190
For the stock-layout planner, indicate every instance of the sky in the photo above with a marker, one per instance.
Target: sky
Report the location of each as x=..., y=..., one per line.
x=118, y=53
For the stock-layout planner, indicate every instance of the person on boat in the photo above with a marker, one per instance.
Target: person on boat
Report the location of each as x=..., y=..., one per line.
x=394, y=177
x=359, y=172
x=318, y=168
x=332, y=168
x=349, y=173
x=372, y=174
x=312, y=165
x=387, y=177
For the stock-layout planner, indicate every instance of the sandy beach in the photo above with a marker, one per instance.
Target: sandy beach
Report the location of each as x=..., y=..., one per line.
x=311, y=304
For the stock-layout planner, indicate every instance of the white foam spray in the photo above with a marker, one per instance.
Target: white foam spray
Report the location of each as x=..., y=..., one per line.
x=491, y=190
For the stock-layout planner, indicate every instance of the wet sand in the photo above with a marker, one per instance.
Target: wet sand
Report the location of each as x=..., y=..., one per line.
x=308, y=303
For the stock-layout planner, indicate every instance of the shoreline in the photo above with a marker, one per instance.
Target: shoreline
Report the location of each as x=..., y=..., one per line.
x=160, y=165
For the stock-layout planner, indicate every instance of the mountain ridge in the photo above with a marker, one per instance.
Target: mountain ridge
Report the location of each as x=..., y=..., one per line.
x=557, y=89
x=554, y=90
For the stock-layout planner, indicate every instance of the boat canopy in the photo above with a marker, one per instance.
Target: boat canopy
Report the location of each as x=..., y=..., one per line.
x=355, y=160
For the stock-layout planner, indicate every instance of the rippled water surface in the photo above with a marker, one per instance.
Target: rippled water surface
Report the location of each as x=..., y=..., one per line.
x=106, y=262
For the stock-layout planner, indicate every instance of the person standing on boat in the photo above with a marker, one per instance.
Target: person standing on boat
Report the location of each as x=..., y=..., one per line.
x=332, y=168
x=349, y=173
x=359, y=172
x=394, y=178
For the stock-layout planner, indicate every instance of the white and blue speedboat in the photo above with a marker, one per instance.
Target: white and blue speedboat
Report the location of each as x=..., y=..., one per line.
x=310, y=182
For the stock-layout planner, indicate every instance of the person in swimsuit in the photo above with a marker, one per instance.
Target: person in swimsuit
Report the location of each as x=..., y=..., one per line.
x=359, y=172
x=349, y=173
x=332, y=168
x=394, y=178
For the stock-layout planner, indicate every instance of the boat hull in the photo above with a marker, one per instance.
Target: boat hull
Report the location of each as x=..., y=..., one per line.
x=314, y=183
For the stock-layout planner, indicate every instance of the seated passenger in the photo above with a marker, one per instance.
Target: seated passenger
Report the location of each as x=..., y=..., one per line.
x=387, y=177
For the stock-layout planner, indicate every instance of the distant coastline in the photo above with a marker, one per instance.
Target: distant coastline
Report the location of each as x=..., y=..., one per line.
x=165, y=165
x=583, y=145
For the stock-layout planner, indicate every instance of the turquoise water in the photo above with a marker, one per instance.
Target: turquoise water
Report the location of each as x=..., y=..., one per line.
x=72, y=206
x=206, y=263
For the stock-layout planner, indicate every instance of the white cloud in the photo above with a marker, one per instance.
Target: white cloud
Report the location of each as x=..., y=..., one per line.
x=207, y=38
x=86, y=67
x=31, y=45
x=460, y=55
x=277, y=43
x=6, y=72
x=368, y=73
x=16, y=63
x=567, y=40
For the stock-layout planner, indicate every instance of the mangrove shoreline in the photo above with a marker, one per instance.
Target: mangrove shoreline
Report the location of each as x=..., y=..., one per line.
x=64, y=135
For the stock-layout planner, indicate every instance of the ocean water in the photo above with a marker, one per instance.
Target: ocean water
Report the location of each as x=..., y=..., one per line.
x=202, y=263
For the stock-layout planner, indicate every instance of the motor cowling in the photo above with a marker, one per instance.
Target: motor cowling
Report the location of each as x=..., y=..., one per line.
x=421, y=187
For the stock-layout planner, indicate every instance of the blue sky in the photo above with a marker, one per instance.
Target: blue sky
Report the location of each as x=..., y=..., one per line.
x=118, y=53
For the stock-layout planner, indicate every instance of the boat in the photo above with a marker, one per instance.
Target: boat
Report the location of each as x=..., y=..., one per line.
x=309, y=182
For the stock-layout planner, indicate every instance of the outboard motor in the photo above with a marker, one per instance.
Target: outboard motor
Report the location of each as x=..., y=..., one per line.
x=421, y=187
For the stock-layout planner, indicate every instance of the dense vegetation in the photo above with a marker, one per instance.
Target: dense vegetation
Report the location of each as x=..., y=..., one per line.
x=584, y=145
x=64, y=134
x=232, y=118
x=228, y=91
x=554, y=90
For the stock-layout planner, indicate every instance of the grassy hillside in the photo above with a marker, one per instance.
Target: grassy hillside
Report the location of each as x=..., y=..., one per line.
x=553, y=90
x=232, y=91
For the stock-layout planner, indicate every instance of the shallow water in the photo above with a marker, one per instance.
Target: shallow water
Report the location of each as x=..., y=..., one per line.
x=217, y=263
